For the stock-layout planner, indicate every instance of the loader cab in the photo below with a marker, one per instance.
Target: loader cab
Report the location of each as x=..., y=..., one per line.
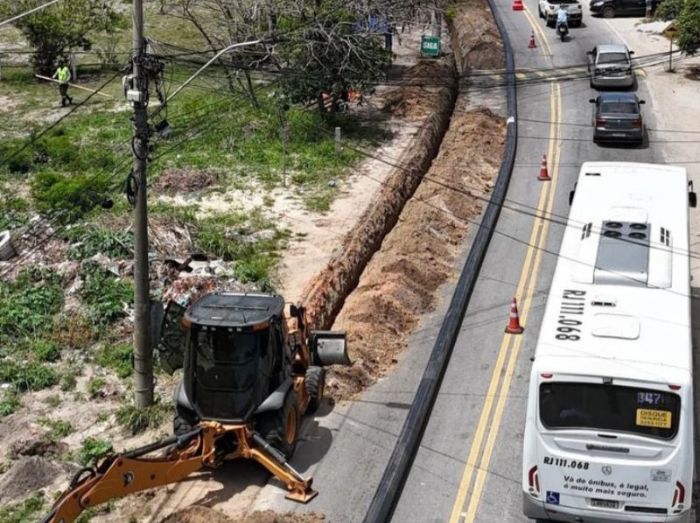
x=235, y=354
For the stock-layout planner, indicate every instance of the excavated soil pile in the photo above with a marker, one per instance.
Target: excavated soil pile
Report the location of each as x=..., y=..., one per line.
x=183, y=181
x=198, y=514
x=476, y=39
x=327, y=292
x=400, y=282
x=425, y=84
x=28, y=475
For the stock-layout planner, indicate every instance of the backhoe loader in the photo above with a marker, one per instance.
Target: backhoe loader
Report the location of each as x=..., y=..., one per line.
x=251, y=369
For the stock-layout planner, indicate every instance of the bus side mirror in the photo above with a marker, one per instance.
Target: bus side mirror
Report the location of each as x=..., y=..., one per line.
x=591, y=100
x=692, y=196
x=571, y=197
x=642, y=102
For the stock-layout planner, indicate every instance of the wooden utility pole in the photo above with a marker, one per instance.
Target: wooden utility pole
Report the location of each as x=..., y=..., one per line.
x=143, y=352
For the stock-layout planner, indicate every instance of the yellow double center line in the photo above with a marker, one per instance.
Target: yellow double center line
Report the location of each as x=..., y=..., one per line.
x=485, y=435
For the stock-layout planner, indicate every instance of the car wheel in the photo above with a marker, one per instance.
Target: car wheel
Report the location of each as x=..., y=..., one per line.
x=576, y=24
x=280, y=428
x=591, y=84
x=550, y=22
x=609, y=12
x=539, y=11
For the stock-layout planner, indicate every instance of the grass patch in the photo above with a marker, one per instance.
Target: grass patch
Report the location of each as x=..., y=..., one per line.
x=68, y=378
x=89, y=240
x=58, y=428
x=104, y=295
x=92, y=449
x=45, y=350
x=28, y=304
x=9, y=402
x=95, y=386
x=118, y=358
x=137, y=420
x=14, y=211
x=25, y=376
x=27, y=510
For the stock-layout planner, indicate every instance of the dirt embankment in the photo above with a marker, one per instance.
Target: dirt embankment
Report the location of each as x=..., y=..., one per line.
x=401, y=281
x=327, y=293
x=475, y=38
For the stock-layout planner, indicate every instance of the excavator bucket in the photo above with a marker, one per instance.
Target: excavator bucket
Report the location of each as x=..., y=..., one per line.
x=329, y=348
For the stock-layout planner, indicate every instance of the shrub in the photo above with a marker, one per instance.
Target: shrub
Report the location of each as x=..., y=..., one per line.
x=27, y=510
x=28, y=303
x=27, y=376
x=9, y=402
x=117, y=357
x=14, y=212
x=104, y=294
x=95, y=386
x=69, y=197
x=90, y=240
x=58, y=428
x=92, y=449
x=45, y=350
x=137, y=420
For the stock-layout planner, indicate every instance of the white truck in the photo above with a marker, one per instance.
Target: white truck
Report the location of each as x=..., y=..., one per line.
x=547, y=9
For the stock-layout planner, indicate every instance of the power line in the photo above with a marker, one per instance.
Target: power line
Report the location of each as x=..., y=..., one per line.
x=26, y=13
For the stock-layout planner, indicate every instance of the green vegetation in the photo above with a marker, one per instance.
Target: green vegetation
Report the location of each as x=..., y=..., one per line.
x=95, y=386
x=9, y=402
x=14, y=211
x=58, y=428
x=687, y=16
x=54, y=400
x=45, y=350
x=24, y=376
x=104, y=294
x=28, y=304
x=69, y=378
x=27, y=510
x=137, y=420
x=89, y=240
x=118, y=358
x=92, y=449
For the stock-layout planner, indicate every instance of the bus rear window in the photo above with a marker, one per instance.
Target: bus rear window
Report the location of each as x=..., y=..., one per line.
x=646, y=412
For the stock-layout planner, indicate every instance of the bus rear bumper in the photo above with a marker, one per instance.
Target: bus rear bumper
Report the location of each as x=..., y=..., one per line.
x=534, y=509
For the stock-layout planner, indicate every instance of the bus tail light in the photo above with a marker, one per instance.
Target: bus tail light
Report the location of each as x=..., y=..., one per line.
x=674, y=387
x=678, y=494
x=533, y=481
x=546, y=375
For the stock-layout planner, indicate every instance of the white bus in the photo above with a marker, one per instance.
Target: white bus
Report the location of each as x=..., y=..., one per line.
x=609, y=428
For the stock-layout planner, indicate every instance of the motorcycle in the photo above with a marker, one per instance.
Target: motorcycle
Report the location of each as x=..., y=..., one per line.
x=562, y=31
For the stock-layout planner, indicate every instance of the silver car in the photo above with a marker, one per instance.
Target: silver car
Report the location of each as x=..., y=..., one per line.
x=610, y=65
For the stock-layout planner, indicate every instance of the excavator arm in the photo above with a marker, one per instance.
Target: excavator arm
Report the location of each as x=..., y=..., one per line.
x=119, y=475
x=205, y=447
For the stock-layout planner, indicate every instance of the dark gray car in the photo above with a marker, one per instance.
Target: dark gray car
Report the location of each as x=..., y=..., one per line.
x=618, y=118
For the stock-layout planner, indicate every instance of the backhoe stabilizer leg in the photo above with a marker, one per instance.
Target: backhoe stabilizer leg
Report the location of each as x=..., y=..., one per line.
x=299, y=489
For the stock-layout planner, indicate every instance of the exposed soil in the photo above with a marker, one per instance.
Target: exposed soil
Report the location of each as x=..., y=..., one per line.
x=476, y=39
x=400, y=283
x=183, y=181
x=198, y=514
x=27, y=475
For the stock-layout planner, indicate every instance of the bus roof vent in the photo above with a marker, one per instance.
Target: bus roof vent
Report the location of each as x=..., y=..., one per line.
x=619, y=326
x=623, y=254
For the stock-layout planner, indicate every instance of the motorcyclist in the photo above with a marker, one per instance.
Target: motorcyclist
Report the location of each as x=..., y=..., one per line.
x=562, y=17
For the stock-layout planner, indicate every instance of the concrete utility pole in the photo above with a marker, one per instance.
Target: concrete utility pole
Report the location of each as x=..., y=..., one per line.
x=143, y=352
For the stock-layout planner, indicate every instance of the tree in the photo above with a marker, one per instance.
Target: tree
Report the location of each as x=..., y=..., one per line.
x=687, y=16
x=329, y=49
x=54, y=31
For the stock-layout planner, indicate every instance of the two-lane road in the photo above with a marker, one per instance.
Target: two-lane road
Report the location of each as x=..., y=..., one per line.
x=468, y=467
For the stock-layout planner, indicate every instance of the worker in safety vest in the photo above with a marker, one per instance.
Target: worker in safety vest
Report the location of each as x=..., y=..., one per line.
x=62, y=74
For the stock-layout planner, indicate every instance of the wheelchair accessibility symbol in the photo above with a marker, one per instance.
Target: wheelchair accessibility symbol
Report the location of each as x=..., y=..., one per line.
x=552, y=498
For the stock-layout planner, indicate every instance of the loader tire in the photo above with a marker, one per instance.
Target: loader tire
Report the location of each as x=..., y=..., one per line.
x=183, y=422
x=315, y=385
x=280, y=428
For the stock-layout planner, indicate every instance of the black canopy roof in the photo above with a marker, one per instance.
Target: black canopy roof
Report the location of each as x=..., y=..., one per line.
x=235, y=310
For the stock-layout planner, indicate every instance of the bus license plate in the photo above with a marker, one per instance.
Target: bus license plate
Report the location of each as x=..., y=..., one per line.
x=604, y=503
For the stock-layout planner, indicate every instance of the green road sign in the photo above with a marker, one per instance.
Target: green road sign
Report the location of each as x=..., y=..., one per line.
x=430, y=46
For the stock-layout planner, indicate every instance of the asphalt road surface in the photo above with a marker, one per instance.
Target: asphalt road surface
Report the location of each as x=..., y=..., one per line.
x=468, y=467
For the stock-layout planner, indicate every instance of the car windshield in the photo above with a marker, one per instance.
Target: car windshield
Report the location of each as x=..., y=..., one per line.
x=646, y=412
x=612, y=58
x=619, y=107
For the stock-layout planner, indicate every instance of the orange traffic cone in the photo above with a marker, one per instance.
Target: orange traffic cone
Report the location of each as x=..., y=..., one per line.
x=544, y=173
x=518, y=5
x=514, y=326
x=532, y=44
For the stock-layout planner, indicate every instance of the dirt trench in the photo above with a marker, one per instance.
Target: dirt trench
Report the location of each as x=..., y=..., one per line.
x=419, y=242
